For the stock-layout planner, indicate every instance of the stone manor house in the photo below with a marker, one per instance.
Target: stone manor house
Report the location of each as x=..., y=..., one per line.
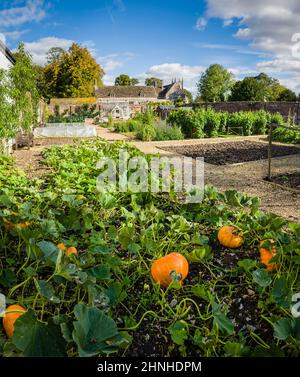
x=123, y=102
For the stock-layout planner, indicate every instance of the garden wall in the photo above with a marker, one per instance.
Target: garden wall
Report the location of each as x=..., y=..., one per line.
x=69, y=104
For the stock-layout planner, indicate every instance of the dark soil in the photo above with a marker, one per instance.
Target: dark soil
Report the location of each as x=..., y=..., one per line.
x=152, y=338
x=291, y=180
x=227, y=153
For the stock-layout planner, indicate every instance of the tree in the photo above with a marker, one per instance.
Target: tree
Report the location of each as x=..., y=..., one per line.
x=134, y=81
x=55, y=54
x=287, y=95
x=261, y=88
x=125, y=80
x=188, y=95
x=215, y=83
x=154, y=81
x=24, y=93
x=248, y=89
x=71, y=73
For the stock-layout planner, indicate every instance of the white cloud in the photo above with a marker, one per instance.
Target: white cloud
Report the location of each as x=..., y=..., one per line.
x=27, y=11
x=16, y=34
x=169, y=71
x=268, y=25
x=113, y=61
x=39, y=48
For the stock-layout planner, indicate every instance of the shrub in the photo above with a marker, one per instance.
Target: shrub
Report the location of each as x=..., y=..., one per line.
x=276, y=118
x=146, y=132
x=168, y=133
x=130, y=126
x=260, y=122
x=223, y=122
x=241, y=122
x=212, y=123
x=286, y=136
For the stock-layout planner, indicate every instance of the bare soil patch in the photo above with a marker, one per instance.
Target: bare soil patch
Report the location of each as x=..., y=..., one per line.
x=291, y=180
x=233, y=152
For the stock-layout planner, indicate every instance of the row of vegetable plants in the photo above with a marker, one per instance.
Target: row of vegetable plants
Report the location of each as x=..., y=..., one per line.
x=210, y=123
x=84, y=273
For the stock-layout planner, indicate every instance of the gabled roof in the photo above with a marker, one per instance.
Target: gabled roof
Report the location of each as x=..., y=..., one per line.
x=9, y=55
x=126, y=92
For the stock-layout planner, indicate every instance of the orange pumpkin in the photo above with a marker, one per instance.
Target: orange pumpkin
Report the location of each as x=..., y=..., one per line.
x=13, y=312
x=61, y=246
x=267, y=254
x=230, y=237
x=71, y=250
x=172, y=267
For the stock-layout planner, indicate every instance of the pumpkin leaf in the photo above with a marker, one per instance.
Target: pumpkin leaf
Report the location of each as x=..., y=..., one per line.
x=261, y=277
x=45, y=289
x=223, y=323
x=282, y=328
x=126, y=235
x=281, y=293
x=50, y=251
x=200, y=253
x=115, y=293
x=36, y=339
x=94, y=332
x=101, y=272
x=200, y=290
x=179, y=332
x=234, y=349
x=247, y=264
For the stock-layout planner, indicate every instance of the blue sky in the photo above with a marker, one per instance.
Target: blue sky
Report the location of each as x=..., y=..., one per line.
x=164, y=38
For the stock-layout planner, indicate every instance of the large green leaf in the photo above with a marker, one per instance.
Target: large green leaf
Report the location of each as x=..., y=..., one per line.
x=281, y=293
x=50, y=251
x=261, y=277
x=36, y=339
x=286, y=327
x=179, y=332
x=46, y=290
x=94, y=332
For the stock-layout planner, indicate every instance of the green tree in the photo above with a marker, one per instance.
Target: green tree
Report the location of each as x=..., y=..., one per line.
x=24, y=92
x=248, y=89
x=188, y=95
x=55, y=54
x=154, y=81
x=71, y=73
x=260, y=88
x=125, y=80
x=287, y=95
x=134, y=81
x=215, y=83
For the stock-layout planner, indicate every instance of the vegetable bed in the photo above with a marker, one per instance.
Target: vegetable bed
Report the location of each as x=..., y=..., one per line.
x=80, y=265
x=226, y=153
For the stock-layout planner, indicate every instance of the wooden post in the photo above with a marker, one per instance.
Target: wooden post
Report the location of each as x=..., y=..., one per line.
x=270, y=151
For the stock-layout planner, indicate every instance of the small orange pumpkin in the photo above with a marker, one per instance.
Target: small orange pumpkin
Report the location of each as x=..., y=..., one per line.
x=61, y=246
x=13, y=312
x=71, y=250
x=230, y=237
x=172, y=267
x=267, y=254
